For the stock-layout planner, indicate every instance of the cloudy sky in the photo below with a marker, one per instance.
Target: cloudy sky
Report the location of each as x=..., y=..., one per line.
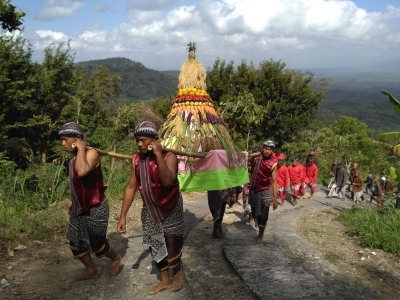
x=304, y=34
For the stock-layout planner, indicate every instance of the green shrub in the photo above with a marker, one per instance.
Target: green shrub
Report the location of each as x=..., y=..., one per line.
x=375, y=228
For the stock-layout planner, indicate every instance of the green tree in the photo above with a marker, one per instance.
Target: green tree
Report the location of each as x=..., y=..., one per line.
x=95, y=101
x=10, y=19
x=162, y=105
x=243, y=115
x=289, y=98
x=57, y=79
x=391, y=137
x=17, y=87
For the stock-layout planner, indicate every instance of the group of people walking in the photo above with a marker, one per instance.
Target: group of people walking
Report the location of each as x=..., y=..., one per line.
x=154, y=176
x=269, y=180
x=341, y=182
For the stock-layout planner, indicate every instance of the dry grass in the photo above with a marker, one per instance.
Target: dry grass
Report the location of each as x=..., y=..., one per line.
x=380, y=271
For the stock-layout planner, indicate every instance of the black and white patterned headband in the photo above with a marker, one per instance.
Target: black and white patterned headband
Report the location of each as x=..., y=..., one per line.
x=147, y=129
x=71, y=129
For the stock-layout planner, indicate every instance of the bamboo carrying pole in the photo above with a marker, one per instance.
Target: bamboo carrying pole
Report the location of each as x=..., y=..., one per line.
x=177, y=152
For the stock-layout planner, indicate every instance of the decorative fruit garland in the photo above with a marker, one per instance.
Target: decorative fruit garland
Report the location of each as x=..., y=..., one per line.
x=193, y=124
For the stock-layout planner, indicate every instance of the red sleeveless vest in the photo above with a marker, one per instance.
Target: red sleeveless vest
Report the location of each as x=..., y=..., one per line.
x=264, y=175
x=167, y=197
x=89, y=189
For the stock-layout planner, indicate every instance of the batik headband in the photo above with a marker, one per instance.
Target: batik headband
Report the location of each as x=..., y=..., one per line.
x=146, y=129
x=71, y=129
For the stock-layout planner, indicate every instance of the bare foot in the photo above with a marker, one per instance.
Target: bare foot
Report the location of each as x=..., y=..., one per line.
x=259, y=239
x=160, y=287
x=177, y=282
x=114, y=268
x=87, y=275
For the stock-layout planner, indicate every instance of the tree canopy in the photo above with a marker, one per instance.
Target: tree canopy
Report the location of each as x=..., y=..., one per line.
x=285, y=100
x=10, y=19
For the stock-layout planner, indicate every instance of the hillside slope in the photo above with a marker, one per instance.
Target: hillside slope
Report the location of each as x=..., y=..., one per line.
x=138, y=82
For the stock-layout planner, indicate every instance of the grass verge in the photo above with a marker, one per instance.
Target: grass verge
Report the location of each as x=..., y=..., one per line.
x=375, y=228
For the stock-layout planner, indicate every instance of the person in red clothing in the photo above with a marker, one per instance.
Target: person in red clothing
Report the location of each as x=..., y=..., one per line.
x=296, y=172
x=263, y=187
x=154, y=176
x=87, y=205
x=278, y=154
x=310, y=178
x=282, y=180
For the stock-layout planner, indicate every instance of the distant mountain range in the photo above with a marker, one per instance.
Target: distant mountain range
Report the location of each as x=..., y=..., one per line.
x=354, y=93
x=358, y=94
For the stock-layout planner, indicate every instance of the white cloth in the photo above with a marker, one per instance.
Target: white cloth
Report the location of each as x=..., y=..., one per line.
x=357, y=195
x=337, y=191
x=331, y=182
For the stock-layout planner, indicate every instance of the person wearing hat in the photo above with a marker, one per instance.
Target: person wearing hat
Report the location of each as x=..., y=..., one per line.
x=263, y=187
x=314, y=155
x=340, y=182
x=87, y=205
x=282, y=180
x=310, y=178
x=154, y=175
x=296, y=174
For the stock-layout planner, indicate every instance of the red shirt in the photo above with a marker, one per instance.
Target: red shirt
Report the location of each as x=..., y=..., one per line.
x=282, y=176
x=311, y=173
x=278, y=156
x=264, y=175
x=296, y=174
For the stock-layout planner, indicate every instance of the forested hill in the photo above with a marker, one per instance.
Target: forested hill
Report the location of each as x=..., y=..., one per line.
x=138, y=82
x=353, y=94
x=358, y=95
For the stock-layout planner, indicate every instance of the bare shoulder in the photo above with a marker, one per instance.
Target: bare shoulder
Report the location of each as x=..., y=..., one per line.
x=92, y=156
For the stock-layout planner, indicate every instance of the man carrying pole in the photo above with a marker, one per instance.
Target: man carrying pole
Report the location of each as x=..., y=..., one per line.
x=263, y=187
x=154, y=175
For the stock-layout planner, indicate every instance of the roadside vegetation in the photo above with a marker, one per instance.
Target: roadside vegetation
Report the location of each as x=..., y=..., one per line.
x=375, y=228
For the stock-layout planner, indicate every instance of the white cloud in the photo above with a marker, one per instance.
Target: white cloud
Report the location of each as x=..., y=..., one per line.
x=53, y=35
x=55, y=9
x=300, y=32
x=145, y=17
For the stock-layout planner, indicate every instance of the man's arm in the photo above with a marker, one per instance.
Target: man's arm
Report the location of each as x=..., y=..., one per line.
x=86, y=161
x=167, y=168
x=316, y=174
x=129, y=194
x=274, y=190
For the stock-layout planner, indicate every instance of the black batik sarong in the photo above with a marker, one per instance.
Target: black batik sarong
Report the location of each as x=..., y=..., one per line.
x=165, y=238
x=87, y=231
x=260, y=206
